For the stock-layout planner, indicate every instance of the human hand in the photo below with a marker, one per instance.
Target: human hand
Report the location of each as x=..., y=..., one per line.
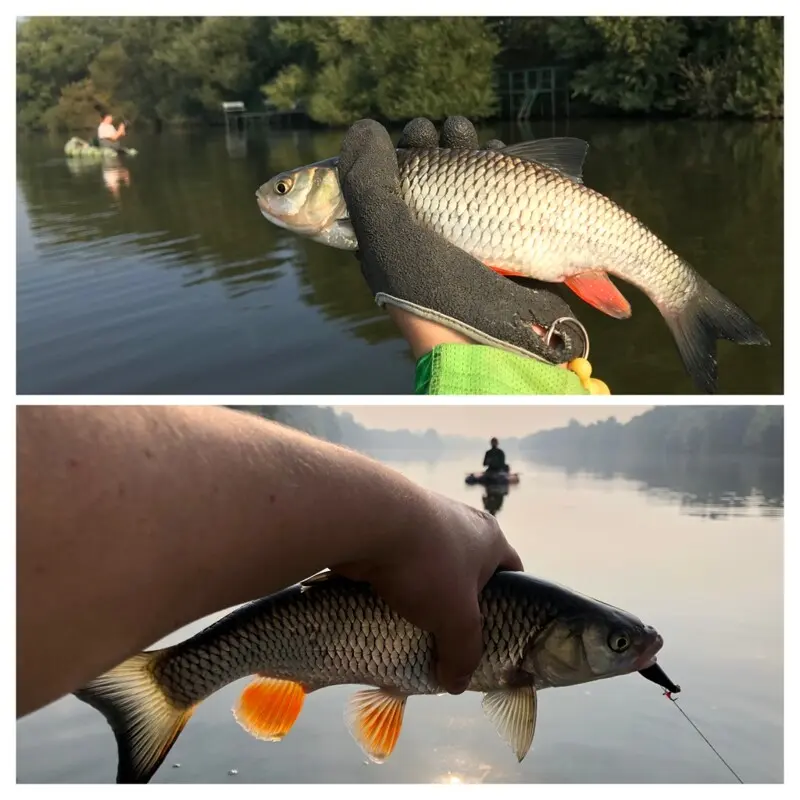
x=432, y=575
x=411, y=268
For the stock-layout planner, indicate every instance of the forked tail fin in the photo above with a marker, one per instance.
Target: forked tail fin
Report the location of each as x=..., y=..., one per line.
x=709, y=316
x=145, y=721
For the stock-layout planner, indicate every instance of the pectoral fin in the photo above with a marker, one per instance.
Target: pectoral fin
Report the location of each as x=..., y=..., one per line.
x=374, y=717
x=513, y=714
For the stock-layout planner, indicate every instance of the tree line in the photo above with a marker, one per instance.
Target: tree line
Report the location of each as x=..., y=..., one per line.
x=160, y=71
x=669, y=430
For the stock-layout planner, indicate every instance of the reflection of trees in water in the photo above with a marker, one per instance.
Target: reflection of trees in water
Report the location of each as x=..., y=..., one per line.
x=711, y=486
x=713, y=191
x=201, y=217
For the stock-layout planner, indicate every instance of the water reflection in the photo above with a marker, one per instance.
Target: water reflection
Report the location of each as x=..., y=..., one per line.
x=711, y=487
x=189, y=213
x=493, y=497
x=236, y=143
x=114, y=176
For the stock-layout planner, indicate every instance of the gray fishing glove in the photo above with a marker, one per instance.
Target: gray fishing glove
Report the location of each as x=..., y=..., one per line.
x=412, y=268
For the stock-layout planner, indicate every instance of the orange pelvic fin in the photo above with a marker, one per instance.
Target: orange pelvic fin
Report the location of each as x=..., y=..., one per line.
x=596, y=289
x=268, y=707
x=374, y=718
x=507, y=272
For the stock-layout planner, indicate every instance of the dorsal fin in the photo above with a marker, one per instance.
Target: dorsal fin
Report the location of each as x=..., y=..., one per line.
x=563, y=153
x=323, y=576
x=327, y=576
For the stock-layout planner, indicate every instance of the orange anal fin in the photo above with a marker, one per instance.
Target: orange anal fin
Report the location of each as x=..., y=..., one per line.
x=374, y=717
x=596, y=289
x=268, y=707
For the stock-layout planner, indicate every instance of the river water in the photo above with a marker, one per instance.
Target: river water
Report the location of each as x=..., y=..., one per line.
x=162, y=277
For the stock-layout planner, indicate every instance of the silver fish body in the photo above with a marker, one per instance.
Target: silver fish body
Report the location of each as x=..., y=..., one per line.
x=522, y=217
x=330, y=631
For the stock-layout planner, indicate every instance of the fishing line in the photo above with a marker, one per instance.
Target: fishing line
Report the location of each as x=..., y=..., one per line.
x=669, y=696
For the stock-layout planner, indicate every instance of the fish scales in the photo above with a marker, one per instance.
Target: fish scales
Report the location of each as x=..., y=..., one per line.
x=337, y=635
x=521, y=216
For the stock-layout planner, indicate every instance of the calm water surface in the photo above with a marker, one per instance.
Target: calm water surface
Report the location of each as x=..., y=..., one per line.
x=705, y=567
x=162, y=276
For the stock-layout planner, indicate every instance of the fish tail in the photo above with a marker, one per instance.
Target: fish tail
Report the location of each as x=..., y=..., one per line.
x=145, y=721
x=706, y=317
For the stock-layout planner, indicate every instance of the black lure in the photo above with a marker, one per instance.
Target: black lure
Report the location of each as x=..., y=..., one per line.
x=657, y=675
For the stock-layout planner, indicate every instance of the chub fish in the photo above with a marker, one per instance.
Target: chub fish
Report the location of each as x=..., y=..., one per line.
x=330, y=631
x=525, y=211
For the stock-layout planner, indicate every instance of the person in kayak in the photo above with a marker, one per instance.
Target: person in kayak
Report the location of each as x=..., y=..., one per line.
x=495, y=459
x=166, y=480
x=470, y=330
x=109, y=136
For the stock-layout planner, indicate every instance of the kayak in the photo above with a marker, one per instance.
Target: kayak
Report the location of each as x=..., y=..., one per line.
x=493, y=478
x=79, y=148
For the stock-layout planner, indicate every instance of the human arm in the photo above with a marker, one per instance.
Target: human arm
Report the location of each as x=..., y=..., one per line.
x=134, y=521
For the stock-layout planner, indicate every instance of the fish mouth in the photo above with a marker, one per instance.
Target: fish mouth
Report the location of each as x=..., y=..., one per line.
x=294, y=226
x=263, y=207
x=648, y=657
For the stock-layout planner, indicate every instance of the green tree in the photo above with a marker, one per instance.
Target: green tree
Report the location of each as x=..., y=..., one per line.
x=52, y=54
x=694, y=66
x=163, y=70
x=627, y=63
x=735, y=67
x=392, y=68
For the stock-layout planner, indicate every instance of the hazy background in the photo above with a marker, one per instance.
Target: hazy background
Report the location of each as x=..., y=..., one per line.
x=494, y=420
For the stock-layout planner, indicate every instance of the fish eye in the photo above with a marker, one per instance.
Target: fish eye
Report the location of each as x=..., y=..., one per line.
x=619, y=642
x=283, y=186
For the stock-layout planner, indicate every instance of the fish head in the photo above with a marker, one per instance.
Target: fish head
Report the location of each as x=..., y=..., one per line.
x=309, y=201
x=595, y=641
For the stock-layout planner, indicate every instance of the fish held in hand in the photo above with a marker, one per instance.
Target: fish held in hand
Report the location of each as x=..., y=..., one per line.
x=524, y=211
x=331, y=631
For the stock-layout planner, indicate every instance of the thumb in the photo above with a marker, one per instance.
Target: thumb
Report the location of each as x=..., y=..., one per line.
x=459, y=645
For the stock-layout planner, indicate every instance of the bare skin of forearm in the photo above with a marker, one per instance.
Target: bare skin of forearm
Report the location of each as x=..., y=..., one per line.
x=135, y=521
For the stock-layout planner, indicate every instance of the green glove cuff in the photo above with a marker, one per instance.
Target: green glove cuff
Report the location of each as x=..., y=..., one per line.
x=475, y=369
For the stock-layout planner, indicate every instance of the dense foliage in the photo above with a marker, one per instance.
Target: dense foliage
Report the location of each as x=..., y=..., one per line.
x=703, y=67
x=151, y=69
x=391, y=68
x=179, y=69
